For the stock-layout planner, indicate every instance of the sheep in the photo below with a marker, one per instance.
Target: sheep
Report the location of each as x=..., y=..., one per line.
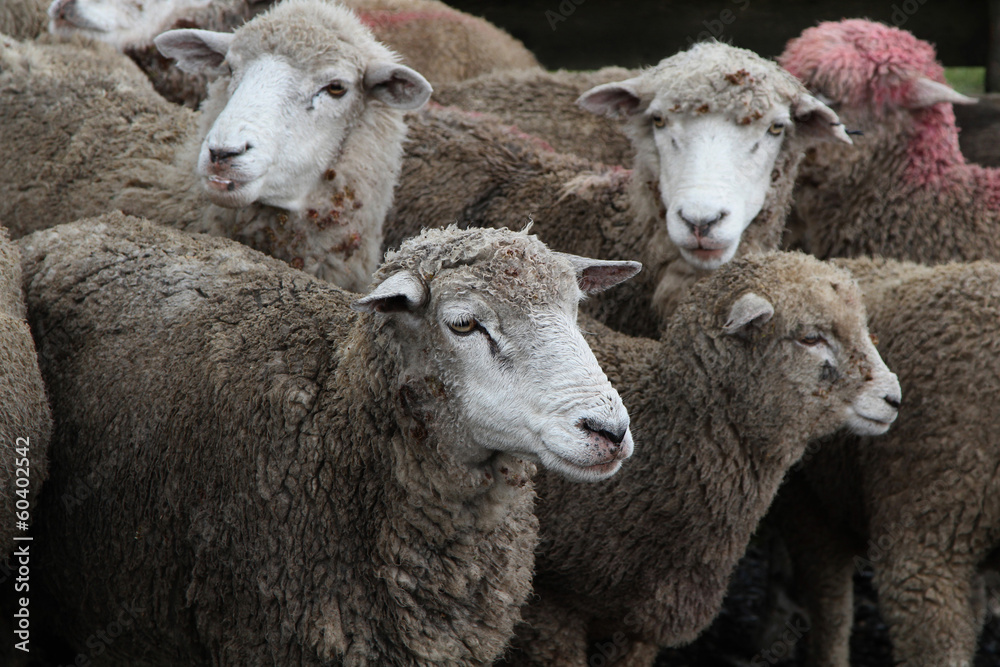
x=906, y=192
x=25, y=421
x=344, y=487
x=442, y=43
x=925, y=633
x=920, y=505
x=298, y=160
x=543, y=104
x=765, y=354
x=469, y=170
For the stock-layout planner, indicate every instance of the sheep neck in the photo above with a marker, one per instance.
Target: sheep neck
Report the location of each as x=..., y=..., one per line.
x=891, y=194
x=665, y=273
x=453, y=545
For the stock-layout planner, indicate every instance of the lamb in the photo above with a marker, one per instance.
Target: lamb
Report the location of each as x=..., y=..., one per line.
x=906, y=192
x=442, y=43
x=344, y=487
x=543, y=104
x=25, y=421
x=468, y=170
x=763, y=355
x=296, y=160
x=920, y=505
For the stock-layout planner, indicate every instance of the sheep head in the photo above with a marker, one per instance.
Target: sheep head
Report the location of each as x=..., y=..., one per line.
x=790, y=331
x=708, y=126
x=121, y=23
x=294, y=84
x=863, y=67
x=486, y=321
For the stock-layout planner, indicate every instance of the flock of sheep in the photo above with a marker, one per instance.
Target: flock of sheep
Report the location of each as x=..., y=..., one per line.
x=297, y=394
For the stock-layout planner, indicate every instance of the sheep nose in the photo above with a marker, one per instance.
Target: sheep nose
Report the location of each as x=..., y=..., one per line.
x=217, y=155
x=614, y=433
x=62, y=9
x=700, y=224
x=894, y=401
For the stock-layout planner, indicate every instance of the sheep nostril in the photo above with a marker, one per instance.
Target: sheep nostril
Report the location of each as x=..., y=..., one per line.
x=893, y=401
x=615, y=436
x=704, y=223
x=217, y=155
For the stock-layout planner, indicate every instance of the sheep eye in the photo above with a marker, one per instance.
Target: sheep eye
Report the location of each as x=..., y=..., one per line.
x=659, y=121
x=776, y=129
x=812, y=340
x=464, y=327
x=335, y=89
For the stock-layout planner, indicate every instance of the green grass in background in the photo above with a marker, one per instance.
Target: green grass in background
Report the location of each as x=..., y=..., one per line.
x=967, y=80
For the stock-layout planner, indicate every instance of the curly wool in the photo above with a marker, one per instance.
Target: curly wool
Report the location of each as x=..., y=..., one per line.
x=904, y=190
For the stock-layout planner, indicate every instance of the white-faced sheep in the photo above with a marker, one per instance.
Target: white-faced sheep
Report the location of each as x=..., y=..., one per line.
x=905, y=191
x=713, y=110
x=294, y=482
x=764, y=355
x=25, y=423
x=442, y=43
x=296, y=151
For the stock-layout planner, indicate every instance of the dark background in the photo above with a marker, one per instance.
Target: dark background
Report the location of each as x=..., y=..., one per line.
x=589, y=34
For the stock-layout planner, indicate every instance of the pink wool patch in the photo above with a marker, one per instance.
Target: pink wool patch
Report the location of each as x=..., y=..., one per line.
x=862, y=64
x=384, y=18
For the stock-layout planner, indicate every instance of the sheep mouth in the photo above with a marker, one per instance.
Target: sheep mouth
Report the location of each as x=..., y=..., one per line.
x=225, y=185
x=594, y=471
x=707, y=254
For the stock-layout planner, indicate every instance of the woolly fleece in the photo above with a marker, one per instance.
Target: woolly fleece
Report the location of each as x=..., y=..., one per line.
x=283, y=495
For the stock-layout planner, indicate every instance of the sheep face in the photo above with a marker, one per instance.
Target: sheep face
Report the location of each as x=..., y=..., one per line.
x=121, y=23
x=708, y=126
x=494, y=357
x=804, y=329
x=295, y=82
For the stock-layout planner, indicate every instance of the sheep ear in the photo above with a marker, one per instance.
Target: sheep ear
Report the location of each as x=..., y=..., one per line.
x=927, y=92
x=401, y=291
x=749, y=310
x=397, y=85
x=597, y=275
x=614, y=100
x=816, y=120
x=195, y=51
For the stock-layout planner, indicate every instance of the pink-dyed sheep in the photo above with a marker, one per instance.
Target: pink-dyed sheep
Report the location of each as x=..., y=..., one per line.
x=904, y=191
